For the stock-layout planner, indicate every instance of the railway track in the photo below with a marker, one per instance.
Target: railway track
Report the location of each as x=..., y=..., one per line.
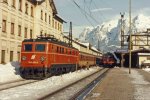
x=13, y=84
x=72, y=91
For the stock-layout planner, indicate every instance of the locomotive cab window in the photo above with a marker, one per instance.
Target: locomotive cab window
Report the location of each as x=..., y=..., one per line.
x=40, y=47
x=28, y=47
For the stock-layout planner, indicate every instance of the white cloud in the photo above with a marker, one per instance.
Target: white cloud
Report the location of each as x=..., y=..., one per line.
x=101, y=9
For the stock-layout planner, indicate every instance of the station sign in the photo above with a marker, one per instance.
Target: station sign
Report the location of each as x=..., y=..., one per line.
x=122, y=50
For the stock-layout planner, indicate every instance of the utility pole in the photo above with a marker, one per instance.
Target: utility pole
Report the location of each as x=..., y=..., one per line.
x=70, y=35
x=122, y=38
x=130, y=36
x=98, y=45
x=122, y=30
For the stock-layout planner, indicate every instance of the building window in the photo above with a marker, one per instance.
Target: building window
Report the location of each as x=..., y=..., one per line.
x=49, y=19
x=53, y=23
x=25, y=32
x=45, y=17
x=31, y=33
x=12, y=28
x=5, y=1
x=41, y=32
x=41, y=14
x=20, y=5
x=58, y=26
x=19, y=30
x=3, y=56
x=13, y=3
x=31, y=11
x=11, y=55
x=4, y=26
x=26, y=8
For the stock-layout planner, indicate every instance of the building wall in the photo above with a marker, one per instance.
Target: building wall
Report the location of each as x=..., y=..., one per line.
x=12, y=42
x=141, y=41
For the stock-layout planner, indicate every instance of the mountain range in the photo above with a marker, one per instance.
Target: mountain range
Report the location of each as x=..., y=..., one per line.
x=108, y=33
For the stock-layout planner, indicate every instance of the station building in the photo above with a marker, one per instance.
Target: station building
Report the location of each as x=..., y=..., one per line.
x=23, y=19
x=140, y=52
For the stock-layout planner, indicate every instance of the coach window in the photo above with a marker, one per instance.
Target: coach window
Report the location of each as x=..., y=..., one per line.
x=52, y=48
x=70, y=52
x=40, y=47
x=66, y=51
x=81, y=57
x=28, y=47
x=62, y=50
x=57, y=49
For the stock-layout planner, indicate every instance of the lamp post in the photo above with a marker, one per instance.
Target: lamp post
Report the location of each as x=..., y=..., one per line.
x=130, y=32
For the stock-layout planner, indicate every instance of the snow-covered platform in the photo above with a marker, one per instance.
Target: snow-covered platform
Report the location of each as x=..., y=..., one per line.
x=120, y=85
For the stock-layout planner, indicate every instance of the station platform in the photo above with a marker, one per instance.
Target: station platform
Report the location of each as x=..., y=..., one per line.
x=120, y=85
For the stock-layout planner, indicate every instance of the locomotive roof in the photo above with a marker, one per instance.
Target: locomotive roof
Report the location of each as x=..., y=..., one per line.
x=50, y=40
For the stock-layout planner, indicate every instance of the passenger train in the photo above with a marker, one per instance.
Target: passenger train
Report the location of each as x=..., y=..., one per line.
x=46, y=56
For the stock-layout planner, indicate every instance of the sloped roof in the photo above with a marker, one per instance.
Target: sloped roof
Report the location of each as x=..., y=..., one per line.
x=59, y=18
x=39, y=2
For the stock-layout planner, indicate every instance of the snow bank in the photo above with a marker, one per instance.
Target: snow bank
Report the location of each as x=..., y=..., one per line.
x=36, y=90
x=9, y=72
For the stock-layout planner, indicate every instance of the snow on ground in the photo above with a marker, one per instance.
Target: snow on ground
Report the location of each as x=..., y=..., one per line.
x=35, y=90
x=9, y=72
x=146, y=69
x=142, y=87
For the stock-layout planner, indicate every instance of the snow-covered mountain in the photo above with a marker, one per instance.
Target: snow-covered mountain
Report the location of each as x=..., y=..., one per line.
x=108, y=33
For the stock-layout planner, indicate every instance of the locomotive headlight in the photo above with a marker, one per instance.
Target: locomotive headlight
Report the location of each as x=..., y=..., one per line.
x=42, y=58
x=24, y=57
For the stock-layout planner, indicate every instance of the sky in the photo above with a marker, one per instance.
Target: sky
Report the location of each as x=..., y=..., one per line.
x=90, y=13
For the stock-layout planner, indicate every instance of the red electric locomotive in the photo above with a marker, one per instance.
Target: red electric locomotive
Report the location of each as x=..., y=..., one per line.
x=108, y=60
x=46, y=56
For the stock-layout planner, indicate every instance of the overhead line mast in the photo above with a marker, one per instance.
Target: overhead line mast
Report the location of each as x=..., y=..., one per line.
x=122, y=30
x=130, y=36
x=70, y=35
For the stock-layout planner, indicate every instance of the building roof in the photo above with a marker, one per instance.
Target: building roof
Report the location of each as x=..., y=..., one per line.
x=59, y=19
x=143, y=50
x=39, y=2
